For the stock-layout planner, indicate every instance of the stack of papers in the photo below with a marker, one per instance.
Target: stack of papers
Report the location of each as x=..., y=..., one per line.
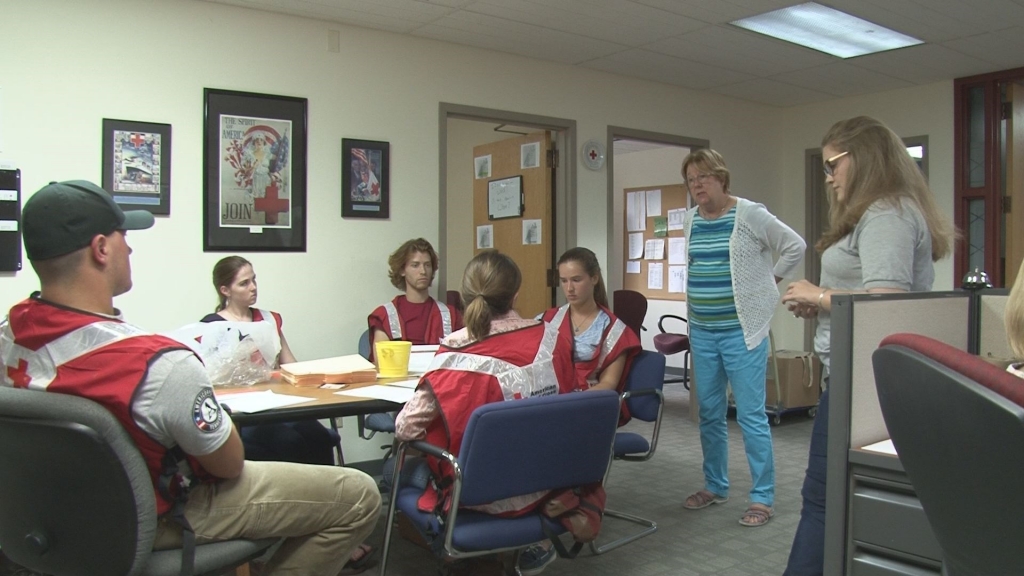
x=249, y=402
x=348, y=369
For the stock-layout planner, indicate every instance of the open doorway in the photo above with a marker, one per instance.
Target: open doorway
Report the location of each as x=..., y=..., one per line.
x=464, y=129
x=642, y=159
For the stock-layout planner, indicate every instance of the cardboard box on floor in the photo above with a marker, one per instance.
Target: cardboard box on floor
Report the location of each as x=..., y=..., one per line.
x=799, y=380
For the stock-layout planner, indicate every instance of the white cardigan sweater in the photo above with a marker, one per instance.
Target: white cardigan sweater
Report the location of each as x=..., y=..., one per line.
x=756, y=234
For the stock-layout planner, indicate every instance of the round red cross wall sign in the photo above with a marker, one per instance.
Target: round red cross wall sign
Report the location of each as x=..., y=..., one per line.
x=593, y=154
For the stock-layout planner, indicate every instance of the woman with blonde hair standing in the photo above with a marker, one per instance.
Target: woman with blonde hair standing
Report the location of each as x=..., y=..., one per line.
x=885, y=232
x=1013, y=318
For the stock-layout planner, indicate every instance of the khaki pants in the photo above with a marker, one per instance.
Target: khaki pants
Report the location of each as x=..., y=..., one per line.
x=324, y=512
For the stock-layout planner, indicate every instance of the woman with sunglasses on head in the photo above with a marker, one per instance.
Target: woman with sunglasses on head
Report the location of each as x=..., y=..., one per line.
x=885, y=232
x=731, y=295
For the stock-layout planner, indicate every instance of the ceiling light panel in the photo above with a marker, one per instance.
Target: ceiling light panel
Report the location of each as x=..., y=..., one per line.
x=827, y=30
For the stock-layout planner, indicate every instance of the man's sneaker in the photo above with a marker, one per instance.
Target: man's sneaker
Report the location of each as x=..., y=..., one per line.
x=534, y=559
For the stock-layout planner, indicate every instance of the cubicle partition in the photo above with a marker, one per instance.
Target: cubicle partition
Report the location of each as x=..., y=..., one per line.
x=987, y=323
x=874, y=523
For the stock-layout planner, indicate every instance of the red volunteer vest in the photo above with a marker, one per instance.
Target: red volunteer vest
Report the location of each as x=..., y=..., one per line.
x=441, y=321
x=56, y=349
x=616, y=340
x=531, y=361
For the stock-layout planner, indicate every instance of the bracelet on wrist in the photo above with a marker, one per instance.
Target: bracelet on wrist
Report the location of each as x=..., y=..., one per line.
x=822, y=295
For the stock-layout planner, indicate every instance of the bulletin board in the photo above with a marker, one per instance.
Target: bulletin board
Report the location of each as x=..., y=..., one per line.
x=644, y=207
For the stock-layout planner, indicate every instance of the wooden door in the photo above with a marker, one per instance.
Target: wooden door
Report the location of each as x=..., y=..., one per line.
x=527, y=238
x=1013, y=202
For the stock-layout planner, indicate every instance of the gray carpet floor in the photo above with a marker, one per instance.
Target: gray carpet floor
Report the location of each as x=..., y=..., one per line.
x=687, y=543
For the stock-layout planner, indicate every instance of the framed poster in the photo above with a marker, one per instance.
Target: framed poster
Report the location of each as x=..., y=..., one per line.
x=137, y=165
x=365, y=179
x=254, y=172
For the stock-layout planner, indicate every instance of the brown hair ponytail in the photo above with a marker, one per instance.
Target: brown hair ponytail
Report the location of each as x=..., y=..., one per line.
x=489, y=286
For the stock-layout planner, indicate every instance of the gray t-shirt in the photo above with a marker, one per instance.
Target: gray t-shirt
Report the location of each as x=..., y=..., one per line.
x=175, y=405
x=891, y=247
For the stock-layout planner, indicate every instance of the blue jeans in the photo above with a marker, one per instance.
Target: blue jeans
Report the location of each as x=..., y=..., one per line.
x=807, y=557
x=721, y=357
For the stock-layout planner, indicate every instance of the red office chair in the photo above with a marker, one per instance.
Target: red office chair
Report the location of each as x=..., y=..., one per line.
x=630, y=307
x=669, y=343
x=957, y=423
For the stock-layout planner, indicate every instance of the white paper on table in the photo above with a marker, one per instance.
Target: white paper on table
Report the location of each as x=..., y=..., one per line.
x=675, y=219
x=655, y=276
x=676, y=279
x=677, y=251
x=425, y=347
x=249, y=402
x=397, y=394
x=654, y=249
x=419, y=362
x=636, y=214
x=412, y=383
x=632, y=267
x=885, y=447
x=636, y=245
x=654, y=203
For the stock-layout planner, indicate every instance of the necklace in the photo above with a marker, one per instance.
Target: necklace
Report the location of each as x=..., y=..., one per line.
x=577, y=328
x=708, y=215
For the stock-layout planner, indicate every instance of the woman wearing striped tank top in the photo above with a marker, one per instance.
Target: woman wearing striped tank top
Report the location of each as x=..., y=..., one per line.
x=731, y=296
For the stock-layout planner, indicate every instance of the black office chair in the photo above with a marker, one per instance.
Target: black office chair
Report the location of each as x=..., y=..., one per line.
x=957, y=423
x=76, y=497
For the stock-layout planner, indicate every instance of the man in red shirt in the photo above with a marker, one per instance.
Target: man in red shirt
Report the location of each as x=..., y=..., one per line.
x=413, y=316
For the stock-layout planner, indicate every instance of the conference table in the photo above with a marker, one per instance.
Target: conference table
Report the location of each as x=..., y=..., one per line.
x=325, y=404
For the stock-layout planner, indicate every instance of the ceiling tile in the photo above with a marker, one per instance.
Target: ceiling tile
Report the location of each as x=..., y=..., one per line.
x=740, y=50
x=841, y=79
x=766, y=91
x=613, y=21
x=666, y=69
x=717, y=11
x=922, y=64
x=1004, y=49
x=493, y=33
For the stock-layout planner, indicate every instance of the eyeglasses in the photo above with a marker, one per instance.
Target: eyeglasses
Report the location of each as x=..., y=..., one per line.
x=830, y=164
x=702, y=178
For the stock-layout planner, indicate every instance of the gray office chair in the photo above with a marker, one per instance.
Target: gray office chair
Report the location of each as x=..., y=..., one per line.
x=76, y=497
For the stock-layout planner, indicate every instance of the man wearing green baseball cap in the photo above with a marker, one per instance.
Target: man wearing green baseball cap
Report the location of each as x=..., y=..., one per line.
x=68, y=338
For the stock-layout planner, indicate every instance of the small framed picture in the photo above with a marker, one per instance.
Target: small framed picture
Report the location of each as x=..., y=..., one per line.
x=137, y=164
x=365, y=179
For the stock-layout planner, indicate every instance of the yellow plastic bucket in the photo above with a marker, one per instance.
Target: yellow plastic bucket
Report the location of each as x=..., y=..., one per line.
x=392, y=358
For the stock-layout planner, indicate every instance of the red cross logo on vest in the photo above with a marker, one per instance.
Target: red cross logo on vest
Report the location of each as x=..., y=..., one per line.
x=19, y=375
x=271, y=205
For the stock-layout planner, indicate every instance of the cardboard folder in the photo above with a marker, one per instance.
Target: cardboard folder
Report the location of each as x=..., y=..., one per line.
x=349, y=369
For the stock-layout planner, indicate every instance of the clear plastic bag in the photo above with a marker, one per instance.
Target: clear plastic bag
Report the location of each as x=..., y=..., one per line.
x=234, y=353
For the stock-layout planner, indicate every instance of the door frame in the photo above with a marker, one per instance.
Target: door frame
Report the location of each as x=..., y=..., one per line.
x=564, y=142
x=621, y=132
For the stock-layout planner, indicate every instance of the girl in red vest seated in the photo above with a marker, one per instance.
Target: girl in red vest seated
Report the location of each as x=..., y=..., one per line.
x=603, y=346
x=536, y=359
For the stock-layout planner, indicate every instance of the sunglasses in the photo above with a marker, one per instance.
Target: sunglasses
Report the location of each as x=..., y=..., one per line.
x=830, y=164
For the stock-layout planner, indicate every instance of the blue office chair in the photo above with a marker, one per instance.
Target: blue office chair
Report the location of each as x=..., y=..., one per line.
x=370, y=424
x=509, y=449
x=643, y=396
x=77, y=497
